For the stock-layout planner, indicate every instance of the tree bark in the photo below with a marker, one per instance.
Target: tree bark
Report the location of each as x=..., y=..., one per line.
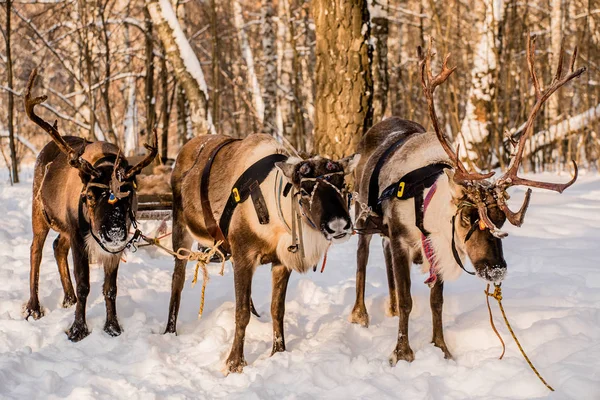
x=270, y=75
x=378, y=10
x=257, y=99
x=556, y=37
x=476, y=125
x=11, y=100
x=344, y=84
x=149, y=84
x=185, y=64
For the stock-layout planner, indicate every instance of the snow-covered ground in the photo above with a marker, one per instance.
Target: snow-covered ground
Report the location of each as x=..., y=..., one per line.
x=552, y=297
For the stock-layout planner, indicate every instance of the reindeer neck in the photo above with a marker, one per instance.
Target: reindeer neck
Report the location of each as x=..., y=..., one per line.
x=438, y=222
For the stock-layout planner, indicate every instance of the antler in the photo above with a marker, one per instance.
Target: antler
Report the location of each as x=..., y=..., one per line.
x=152, y=152
x=74, y=157
x=510, y=178
x=429, y=83
x=115, y=182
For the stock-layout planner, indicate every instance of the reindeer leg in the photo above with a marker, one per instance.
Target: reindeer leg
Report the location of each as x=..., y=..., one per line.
x=389, y=266
x=401, y=261
x=242, y=277
x=359, y=313
x=436, y=300
x=281, y=276
x=40, y=232
x=181, y=239
x=109, y=290
x=78, y=329
x=61, y=247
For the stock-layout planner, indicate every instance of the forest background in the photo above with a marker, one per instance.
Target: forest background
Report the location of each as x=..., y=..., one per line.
x=315, y=74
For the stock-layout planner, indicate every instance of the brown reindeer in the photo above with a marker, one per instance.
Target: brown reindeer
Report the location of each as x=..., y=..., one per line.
x=314, y=205
x=431, y=210
x=86, y=192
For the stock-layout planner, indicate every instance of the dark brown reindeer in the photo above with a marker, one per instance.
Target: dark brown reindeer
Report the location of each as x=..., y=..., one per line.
x=86, y=192
x=430, y=209
x=298, y=208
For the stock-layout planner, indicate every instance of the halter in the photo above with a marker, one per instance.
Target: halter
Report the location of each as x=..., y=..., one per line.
x=298, y=208
x=86, y=226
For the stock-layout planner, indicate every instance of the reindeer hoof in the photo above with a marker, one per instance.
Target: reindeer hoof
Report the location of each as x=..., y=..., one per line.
x=235, y=364
x=442, y=346
x=69, y=300
x=33, y=310
x=171, y=329
x=401, y=355
x=77, y=332
x=278, y=346
x=112, y=328
x=359, y=316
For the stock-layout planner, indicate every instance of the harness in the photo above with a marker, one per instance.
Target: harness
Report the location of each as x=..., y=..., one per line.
x=412, y=186
x=247, y=185
x=85, y=225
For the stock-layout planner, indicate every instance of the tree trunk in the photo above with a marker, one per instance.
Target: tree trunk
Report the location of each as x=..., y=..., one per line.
x=477, y=123
x=164, y=107
x=257, y=99
x=556, y=37
x=343, y=75
x=270, y=75
x=11, y=100
x=185, y=64
x=149, y=84
x=378, y=10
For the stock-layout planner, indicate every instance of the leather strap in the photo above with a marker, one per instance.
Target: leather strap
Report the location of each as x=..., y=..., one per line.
x=249, y=184
x=374, y=180
x=209, y=219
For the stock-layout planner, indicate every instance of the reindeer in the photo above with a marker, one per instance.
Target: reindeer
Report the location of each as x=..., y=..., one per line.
x=86, y=192
x=298, y=208
x=430, y=209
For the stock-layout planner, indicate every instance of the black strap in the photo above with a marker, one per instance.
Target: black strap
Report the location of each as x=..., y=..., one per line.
x=455, y=252
x=248, y=182
x=209, y=219
x=374, y=180
x=413, y=183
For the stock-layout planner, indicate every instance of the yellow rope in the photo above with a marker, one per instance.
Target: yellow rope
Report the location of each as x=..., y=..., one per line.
x=498, y=296
x=201, y=257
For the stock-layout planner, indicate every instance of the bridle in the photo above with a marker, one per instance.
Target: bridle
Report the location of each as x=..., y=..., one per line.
x=87, y=226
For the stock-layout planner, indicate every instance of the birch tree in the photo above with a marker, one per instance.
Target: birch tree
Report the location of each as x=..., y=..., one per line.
x=475, y=128
x=11, y=106
x=257, y=99
x=185, y=64
x=344, y=83
x=378, y=11
x=270, y=74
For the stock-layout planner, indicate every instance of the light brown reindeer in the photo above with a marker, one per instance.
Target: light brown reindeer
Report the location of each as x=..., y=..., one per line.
x=303, y=209
x=86, y=192
x=430, y=209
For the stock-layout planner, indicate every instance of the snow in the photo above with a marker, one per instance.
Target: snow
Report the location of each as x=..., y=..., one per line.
x=551, y=296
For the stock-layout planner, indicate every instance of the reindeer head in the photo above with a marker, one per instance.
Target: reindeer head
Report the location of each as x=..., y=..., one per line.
x=108, y=200
x=481, y=204
x=320, y=189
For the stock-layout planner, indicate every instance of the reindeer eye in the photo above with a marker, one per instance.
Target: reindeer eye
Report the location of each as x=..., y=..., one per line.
x=466, y=218
x=304, y=169
x=330, y=166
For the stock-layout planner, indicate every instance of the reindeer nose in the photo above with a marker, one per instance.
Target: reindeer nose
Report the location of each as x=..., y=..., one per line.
x=493, y=271
x=115, y=234
x=338, y=227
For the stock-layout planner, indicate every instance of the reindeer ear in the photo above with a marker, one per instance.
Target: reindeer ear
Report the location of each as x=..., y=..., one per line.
x=288, y=167
x=456, y=190
x=349, y=163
